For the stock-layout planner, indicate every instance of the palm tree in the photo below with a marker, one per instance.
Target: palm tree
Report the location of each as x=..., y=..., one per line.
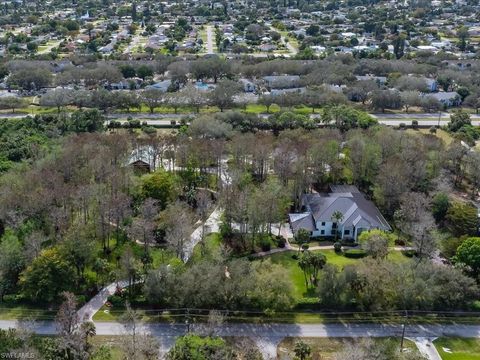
x=302, y=350
x=337, y=217
x=88, y=331
x=302, y=237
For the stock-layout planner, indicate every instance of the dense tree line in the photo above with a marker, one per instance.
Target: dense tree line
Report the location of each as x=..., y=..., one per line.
x=91, y=213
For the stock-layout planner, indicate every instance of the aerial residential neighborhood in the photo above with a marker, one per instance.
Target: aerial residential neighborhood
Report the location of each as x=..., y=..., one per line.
x=240, y=180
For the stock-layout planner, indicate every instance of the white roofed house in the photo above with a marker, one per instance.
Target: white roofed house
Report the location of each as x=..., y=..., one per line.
x=318, y=209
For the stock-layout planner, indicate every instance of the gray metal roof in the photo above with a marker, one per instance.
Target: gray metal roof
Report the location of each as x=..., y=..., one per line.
x=301, y=221
x=352, y=204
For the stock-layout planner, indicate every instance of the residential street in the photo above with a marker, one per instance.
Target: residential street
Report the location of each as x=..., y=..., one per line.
x=293, y=51
x=210, y=35
x=268, y=335
x=424, y=119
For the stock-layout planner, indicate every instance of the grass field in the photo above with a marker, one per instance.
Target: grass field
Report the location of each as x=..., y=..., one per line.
x=112, y=343
x=441, y=134
x=300, y=291
x=16, y=311
x=211, y=245
x=322, y=348
x=458, y=348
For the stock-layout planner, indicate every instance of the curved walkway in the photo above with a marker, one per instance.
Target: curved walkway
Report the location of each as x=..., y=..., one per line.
x=290, y=247
x=426, y=347
x=87, y=311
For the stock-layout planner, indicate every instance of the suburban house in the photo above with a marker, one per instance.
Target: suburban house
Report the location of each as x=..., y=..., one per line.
x=448, y=98
x=355, y=214
x=432, y=84
x=143, y=159
x=380, y=80
x=282, y=81
x=248, y=86
x=163, y=86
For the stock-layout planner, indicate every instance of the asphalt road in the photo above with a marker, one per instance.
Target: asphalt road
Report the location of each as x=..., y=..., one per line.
x=268, y=336
x=209, y=44
x=278, y=330
x=425, y=119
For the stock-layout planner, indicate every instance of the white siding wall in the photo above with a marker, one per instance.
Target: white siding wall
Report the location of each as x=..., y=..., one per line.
x=327, y=228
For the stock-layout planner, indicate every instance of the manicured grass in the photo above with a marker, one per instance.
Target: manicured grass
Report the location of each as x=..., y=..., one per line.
x=16, y=311
x=397, y=256
x=441, y=134
x=105, y=314
x=260, y=109
x=211, y=245
x=36, y=110
x=296, y=274
x=113, y=343
x=337, y=259
x=461, y=348
x=327, y=348
x=274, y=108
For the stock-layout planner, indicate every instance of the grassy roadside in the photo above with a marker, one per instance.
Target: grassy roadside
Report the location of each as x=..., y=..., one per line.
x=327, y=348
x=154, y=316
x=166, y=110
x=453, y=348
x=302, y=295
x=18, y=312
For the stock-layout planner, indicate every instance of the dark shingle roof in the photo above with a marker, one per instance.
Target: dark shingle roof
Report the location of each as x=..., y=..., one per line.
x=350, y=202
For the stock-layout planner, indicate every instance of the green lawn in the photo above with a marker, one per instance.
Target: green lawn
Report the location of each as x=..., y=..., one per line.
x=113, y=343
x=296, y=274
x=260, y=109
x=397, y=256
x=441, y=134
x=15, y=311
x=285, y=259
x=300, y=291
x=250, y=108
x=211, y=245
x=461, y=348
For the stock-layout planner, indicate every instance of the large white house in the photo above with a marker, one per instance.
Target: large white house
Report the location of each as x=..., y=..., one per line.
x=319, y=209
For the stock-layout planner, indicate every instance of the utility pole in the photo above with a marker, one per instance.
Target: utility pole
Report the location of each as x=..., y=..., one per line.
x=403, y=329
x=187, y=320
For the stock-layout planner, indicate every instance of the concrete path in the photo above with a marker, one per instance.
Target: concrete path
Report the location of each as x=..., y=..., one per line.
x=426, y=347
x=87, y=311
x=95, y=304
x=135, y=40
x=267, y=345
x=212, y=225
x=290, y=247
x=290, y=47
